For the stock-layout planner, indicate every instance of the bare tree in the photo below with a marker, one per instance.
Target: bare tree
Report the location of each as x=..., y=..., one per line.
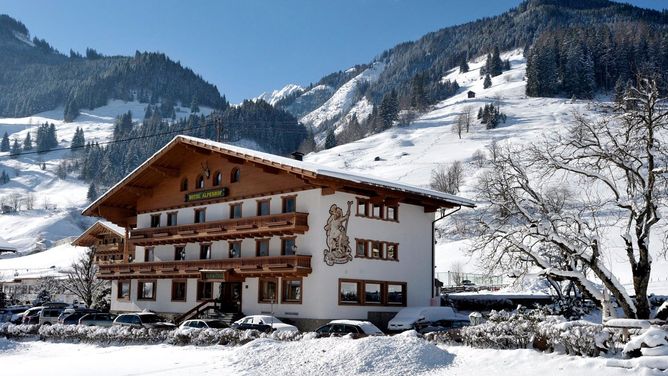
x=618, y=166
x=467, y=117
x=15, y=201
x=478, y=158
x=82, y=280
x=459, y=125
x=457, y=272
x=447, y=178
x=29, y=200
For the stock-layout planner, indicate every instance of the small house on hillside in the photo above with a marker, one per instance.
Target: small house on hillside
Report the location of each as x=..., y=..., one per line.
x=471, y=94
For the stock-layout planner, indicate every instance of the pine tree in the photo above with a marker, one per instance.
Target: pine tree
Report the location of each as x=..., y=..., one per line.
x=71, y=111
x=496, y=64
x=488, y=82
x=463, y=66
x=92, y=192
x=16, y=149
x=418, y=97
x=78, y=141
x=27, y=143
x=389, y=109
x=4, y=145
x=194, y=107
x=149, y=112
x=330, y=141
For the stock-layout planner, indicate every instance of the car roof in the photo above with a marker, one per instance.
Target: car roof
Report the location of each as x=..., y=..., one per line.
x=366, y=326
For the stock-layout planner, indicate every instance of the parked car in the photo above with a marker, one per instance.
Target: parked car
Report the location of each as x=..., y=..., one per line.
x=263, y=323
x=71, y=316
x=8, y=314
x=143, y=320
x=97, y=319
x=49, y=315
x=204, y=324
x=31, y=316
x=355, y=328
x=419, y=318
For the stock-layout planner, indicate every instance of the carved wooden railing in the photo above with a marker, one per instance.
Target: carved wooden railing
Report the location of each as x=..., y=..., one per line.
x=245, y=266
x=237, y=228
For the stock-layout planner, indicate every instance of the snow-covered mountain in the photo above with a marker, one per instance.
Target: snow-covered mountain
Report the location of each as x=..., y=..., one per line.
x=277, y=95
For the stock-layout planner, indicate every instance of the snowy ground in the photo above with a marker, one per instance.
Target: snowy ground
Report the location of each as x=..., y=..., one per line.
x=386, y=356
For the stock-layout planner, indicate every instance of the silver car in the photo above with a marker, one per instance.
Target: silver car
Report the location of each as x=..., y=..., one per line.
x=97, y=319
x=143, y=320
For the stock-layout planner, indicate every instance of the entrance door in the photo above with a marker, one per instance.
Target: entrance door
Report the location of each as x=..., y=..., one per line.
x=230, y=297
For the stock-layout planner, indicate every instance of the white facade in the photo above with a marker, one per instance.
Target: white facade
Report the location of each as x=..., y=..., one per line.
x=320, y=289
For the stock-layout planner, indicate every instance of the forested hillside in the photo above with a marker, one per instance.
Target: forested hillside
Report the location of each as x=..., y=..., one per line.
x=35, y=77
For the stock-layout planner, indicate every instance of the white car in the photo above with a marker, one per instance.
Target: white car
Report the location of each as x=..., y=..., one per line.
x=420, y=317
x=203, y=324
x=355, y=328
x=263, y=323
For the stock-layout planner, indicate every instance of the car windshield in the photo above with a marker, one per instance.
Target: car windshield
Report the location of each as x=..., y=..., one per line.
x=217, y=324
x=151, y=319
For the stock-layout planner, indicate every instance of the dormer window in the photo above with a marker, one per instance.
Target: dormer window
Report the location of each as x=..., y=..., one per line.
x=217, y=178
x=184, y=184
x=235, y=175
x=199, y=183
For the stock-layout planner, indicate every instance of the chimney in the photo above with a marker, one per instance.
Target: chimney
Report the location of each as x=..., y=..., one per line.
x=298, y=156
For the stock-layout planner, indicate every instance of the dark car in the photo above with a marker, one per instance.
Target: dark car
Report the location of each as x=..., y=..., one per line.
x=71, y=317
x=355, y=328
x=143, y=320
x=97, y=319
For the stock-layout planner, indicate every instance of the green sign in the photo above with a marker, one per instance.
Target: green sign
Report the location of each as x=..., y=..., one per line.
x=206, y=195
x=213, y=275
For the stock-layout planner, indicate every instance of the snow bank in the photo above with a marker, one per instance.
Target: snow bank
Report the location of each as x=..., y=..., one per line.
x=398, y=355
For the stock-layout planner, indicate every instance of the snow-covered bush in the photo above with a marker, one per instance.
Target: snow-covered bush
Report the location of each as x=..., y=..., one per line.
x=574, y=337
x=504, y=330
x=651, y=338
x=123, y=335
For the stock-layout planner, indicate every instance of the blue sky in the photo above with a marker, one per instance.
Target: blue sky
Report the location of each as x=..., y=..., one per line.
x=246, y=47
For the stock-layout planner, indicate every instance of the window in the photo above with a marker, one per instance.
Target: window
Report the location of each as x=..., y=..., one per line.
x=362, y=208
x=204, y=290
x=292, y=290
x=205, y=251
x=391, y=251
x=263, y=207
x=396, y=294
x=148, y=254
x=377, y=211
x=179, y=291
x=360, y=248
x=146, y=290
x=217, y=178
x=199, y=183
x=372, y=293
x=348, y=292
x=179, y=252
x=288, y=246
x=155, y=220
x=289, y=204
x=267, y=293
x=235, y=175
x=235, y=249
x=392, y=213
x=235, y=211
x=376, y=249
x=362, y=292
x=184, y=184
x=200, y=215
x=171, y=219
x=262, y=247
x=123, y=290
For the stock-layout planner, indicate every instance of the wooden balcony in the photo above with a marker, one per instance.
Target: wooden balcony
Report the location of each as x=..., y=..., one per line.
x=229, y=229
x=234, y=269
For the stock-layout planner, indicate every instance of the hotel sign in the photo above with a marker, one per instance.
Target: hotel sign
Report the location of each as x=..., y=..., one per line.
x=216, y=275
x=206, y=195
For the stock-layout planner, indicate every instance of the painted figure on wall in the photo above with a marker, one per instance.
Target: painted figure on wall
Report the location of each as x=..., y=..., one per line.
x=338, y=245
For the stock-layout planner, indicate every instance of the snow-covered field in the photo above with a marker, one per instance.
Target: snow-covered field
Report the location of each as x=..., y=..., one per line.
x=399, y=355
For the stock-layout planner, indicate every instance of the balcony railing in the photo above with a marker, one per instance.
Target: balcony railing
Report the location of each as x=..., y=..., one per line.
x=233, y=268
x=239, y=228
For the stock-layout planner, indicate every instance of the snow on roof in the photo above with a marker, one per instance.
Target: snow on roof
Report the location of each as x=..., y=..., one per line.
x=53, y=262
x=85, y=238
x=302, y=165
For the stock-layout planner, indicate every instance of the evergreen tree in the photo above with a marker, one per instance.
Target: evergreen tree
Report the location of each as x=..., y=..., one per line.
x=16, y=148
x=389, y=109
x=149, y=112
x=418, y=96
x=4, y=145
x=330, y=141
x=27, y=143
x=92, y=192
x=4, y=177
x=78, y=141
x=496, y=63
x=194, y=107
x=71, y=111
x=463, y=66
x=488, y=82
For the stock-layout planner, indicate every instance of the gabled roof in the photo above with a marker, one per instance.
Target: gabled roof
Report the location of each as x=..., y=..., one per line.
x=306, y=170
x=89, y=237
